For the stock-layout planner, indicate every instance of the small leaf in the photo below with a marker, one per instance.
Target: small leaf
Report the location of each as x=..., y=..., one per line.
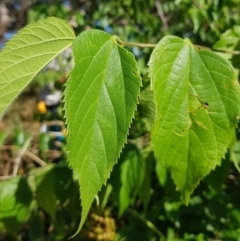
x=145, y=189
x=197, y=103
x=100, y=99
x=132, y=174
x=229, y=39
x=53, y=183
x=148, y=108
x=43, y=180
x=15, y=203
x=27, y=53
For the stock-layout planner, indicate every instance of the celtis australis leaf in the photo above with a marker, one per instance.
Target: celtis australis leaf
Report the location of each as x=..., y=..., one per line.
x=27, y=53
x=100, y=99
x=197, y=103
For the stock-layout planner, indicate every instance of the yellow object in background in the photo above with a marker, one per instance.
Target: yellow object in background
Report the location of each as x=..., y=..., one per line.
x=41, y=106
x=64, y=132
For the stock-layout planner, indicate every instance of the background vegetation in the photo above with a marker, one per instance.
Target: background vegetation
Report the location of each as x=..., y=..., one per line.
x=39, y=196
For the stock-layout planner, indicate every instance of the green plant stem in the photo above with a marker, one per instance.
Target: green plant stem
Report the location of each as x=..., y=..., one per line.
x=234, y=52
x=140, y=45
x=147, y=223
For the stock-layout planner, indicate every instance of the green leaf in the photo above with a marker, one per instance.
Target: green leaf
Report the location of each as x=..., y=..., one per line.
x=162, y=174
x=50, y=189
x=197, y=103
x=15, y=203
x=132, y=175
x=43, y=181
x=148, y=108
x=235, y=154
x=100, y=99
x=27, y=53
x=229, y=39
x=145, y=189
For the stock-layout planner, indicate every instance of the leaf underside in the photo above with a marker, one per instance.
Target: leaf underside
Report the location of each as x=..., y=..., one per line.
x=100, y=99
x=27, y=53
x=197, y=103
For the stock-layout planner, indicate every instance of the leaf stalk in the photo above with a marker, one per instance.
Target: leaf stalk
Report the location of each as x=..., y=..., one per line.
x=140, y=45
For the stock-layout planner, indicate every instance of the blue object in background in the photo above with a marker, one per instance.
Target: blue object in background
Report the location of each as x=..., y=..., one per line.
x=17, y=6
x=66, y=4
x=9, y=34
x=108, y=29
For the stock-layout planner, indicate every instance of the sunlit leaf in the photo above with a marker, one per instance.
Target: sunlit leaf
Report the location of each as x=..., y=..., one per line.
x=100, y=99
x=197, y=102
x=229, y=39
x=27, y=53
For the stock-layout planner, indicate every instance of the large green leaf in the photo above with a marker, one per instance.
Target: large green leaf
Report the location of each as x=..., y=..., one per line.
x=197, y=103
x=27, y=53
x=100, y=99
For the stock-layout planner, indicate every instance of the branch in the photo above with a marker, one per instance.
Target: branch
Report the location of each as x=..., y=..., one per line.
x=3, y=178
x=31, y=155
x=147, y=223
x=161, y=15
x=234, y=52
x=54, y=123
x=35, y=158
x=196, y=4
x=140, y=45
x=19, y=157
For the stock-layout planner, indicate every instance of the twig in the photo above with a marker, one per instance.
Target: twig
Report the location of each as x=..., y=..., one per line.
x=3, y=178
x=35, y=158
x=27, y=153
x=7, y=168
x=140, y=45
x=7, y=165
x=161, y=15
x=147, y=223
x=234, y=52
x=123, y=43
x=54, y=123
x=19, y=157
x=196, y=4
x=202, y=47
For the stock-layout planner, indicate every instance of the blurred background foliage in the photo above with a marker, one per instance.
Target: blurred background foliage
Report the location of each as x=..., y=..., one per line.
x=39, y=195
